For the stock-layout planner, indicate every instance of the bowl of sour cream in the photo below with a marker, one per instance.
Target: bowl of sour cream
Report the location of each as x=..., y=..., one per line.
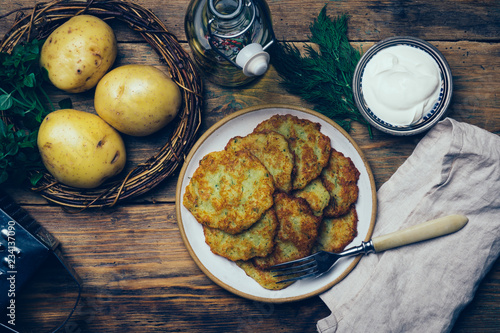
x=402, y=85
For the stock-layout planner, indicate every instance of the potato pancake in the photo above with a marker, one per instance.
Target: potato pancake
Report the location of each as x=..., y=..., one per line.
x=340, y=178
x=298, y=230
x=272, y=150
x=336, y=233
x=310, y=147
x=257, y=241
x=265, y=278
x=298, y=224
x=316, y=195
x=229, y=191
x=283, y=251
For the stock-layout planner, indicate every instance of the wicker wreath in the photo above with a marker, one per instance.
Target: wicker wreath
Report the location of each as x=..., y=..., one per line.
x=41, y=20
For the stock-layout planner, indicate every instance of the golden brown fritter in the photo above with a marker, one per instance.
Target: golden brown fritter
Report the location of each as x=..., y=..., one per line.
x=298, y=230
x=336, y=233
x=265, y=278
x=229, y=191
x=272, y=150
x=283, y=251
x=257, y=241
x=340, y=178
x=297, y=221
x=310, y=147
x=316, y=195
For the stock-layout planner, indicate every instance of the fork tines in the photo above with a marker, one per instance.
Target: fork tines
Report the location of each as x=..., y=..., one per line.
x=297, y=269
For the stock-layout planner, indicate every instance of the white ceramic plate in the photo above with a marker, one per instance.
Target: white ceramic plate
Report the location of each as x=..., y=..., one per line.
x=226, y=273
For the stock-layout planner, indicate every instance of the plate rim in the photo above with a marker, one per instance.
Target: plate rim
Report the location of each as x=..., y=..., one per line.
x=178, y=200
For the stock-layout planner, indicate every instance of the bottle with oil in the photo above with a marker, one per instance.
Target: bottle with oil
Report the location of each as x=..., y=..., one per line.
x=229, y=38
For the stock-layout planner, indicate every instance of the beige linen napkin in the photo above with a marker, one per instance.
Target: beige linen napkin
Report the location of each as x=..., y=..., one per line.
x=423, y=287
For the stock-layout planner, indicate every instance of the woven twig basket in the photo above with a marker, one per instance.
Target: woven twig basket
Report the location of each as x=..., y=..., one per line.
x=41, y=20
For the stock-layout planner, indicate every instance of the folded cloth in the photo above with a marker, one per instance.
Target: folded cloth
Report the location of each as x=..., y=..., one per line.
x=455, y=169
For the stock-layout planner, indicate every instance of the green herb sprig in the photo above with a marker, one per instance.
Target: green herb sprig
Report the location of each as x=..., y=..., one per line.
x=23, y=105
x=323, y=75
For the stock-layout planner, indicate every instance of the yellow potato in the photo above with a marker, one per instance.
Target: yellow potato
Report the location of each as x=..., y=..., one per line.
x=78, y=53
x=137, y=100
x=80, y=149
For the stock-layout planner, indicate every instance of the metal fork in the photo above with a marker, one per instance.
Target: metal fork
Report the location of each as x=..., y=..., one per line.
x=321, y=262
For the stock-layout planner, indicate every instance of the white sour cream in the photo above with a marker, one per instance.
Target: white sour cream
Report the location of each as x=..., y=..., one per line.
x=401, y=84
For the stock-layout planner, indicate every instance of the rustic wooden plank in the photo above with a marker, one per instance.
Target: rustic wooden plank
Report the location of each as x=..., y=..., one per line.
x=369, y=20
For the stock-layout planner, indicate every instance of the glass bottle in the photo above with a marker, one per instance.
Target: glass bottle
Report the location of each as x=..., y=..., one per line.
x=228, y=39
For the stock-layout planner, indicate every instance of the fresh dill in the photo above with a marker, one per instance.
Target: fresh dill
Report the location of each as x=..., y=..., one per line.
x=322, y=75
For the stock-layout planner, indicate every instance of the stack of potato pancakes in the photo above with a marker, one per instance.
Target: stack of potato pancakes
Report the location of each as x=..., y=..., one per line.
x=278, y=194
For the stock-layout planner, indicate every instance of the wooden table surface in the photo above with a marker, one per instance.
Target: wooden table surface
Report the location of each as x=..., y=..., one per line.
x=137, y=274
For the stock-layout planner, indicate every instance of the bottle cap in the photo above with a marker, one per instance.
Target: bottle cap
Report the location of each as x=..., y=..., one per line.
x=253, y=59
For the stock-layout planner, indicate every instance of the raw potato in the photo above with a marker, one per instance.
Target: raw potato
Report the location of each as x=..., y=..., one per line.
x=80, y=149
x=78, y=53
x=137, y=100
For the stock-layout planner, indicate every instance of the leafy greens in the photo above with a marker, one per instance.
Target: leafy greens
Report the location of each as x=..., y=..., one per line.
x=23, y=105
x=322, y=77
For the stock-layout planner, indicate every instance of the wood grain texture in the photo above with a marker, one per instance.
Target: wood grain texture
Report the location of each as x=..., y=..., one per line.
x=137, y=273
